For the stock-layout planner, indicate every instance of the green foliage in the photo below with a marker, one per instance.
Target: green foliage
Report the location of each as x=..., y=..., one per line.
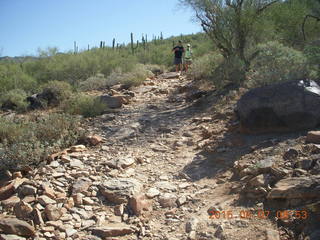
x=29, y=141
x=132, y=78
x=92, y=83
x=203, y=67
x=275, y=63
x=56, y=92
x=15, y=98
x=12, y=76
x=85, y=105
x=312, y=52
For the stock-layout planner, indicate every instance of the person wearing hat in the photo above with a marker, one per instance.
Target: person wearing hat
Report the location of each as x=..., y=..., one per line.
x=188, y=57
x=178, y=52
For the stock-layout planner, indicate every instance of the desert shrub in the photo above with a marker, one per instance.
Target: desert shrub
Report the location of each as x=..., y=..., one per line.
x=14, y=99
x=312, y=52
x=275, y=63
x=12, y=77
x=85, y=105
x=155, y=69
x=30, y=141
x=55, y=92
x=92, y=83
x=203, y=67
x=132, y=78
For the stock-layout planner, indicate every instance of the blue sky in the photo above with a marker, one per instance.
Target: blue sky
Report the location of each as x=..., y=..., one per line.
x=26, y=25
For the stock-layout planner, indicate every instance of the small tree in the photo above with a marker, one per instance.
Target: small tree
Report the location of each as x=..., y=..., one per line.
x=229, y=24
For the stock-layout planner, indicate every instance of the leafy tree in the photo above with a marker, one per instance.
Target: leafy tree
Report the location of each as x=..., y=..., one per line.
x=230, y=24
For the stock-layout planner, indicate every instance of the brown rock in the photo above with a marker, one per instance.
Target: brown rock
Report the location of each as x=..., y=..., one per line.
x=303, y=188
x=53, y=213
x=17, y=227
x=48, y=191
x=9, y=189
x=10, y=202
x=22, y=210
x=112, y=230
x=138, y=203
x=45, y=200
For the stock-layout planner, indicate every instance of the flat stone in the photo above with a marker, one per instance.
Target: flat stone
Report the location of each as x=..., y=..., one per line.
x=11, y=237
x=17, y=227
x=9, y=189
x=45, y=200
x=70, y=231
x=120, y=190
x=121, y=163
x=81, y=185
x=76, y=163
x=112, y=230
x=152, y=192
x=10, y=202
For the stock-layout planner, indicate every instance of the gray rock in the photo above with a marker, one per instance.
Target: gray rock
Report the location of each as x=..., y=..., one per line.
x=120, y=190
x=292, y=105
x=11, y=237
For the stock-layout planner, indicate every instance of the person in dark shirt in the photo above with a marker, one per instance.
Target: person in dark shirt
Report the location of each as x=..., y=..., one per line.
x=178, y=52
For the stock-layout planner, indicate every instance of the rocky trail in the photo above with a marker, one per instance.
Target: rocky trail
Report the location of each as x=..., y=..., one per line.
x=169, y=165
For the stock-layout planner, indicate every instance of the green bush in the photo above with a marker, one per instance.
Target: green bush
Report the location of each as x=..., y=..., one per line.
x=55, y=92
x=312, y=52
x=132, y=78
x=203, y=67
x=93, y=83
x=85, y=105
x=29, y=141
x=14, y=99
x=275, y=63
x=12, y=77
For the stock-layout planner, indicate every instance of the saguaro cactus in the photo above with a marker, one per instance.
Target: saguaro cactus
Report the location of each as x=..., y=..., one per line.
x=133, y=48
x=113, y=43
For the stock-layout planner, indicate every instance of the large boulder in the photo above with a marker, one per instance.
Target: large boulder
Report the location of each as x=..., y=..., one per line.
x=16, y=226
x=286, y=106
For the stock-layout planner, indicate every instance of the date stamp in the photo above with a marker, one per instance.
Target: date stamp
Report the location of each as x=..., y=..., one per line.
x=258, y=214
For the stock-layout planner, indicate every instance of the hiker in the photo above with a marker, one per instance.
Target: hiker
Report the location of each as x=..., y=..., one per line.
x=178, y=52
x=188, y=57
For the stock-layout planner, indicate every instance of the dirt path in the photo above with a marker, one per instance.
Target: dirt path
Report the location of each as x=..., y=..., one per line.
x=150, y=179
x=162, y=131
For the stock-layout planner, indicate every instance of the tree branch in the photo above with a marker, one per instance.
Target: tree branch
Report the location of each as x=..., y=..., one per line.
x=260, y=10
x=304, y=23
